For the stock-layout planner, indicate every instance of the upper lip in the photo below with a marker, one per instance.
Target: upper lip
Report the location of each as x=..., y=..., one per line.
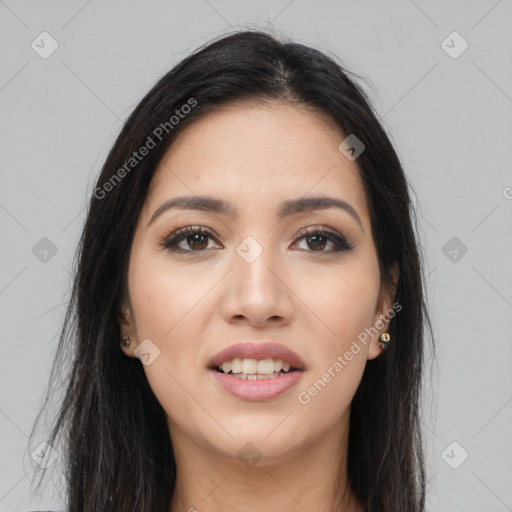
x=258, y=350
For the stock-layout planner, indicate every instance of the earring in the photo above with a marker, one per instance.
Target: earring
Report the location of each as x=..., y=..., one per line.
x=384, y=339
x=125, y=341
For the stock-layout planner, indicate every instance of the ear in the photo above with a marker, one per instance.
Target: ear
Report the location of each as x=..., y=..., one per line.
x=382, y=317
x=126, y=328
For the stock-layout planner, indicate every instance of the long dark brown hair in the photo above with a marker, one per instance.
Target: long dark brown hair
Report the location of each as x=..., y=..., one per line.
x=116, y=449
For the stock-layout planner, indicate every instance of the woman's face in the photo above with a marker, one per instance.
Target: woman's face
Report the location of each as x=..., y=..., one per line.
x=258, y=275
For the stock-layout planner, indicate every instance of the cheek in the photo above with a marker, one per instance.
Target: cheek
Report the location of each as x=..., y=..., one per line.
x=346, y=303
x=163, y=309
x=168, y=303
x=343, y=298
x=162, y=295
x=351, y=305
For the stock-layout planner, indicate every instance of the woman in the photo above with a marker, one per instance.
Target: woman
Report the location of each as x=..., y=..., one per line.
x=247, y=318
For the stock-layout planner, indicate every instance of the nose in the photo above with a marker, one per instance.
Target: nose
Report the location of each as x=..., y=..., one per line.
x=258, y=293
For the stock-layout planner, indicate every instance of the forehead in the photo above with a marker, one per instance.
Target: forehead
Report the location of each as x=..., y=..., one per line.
x=258, y=155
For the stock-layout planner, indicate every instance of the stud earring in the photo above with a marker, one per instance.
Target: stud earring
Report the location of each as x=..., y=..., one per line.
x=384, y=339
x=125, y=341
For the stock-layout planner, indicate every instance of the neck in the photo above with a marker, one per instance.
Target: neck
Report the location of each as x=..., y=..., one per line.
x=314, y=478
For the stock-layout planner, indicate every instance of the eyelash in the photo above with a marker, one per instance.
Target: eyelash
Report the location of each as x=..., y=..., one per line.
x=170, y=241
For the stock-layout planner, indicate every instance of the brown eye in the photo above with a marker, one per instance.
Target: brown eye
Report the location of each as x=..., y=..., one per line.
x=189, y=239
x=318, y=240
x=198, y=241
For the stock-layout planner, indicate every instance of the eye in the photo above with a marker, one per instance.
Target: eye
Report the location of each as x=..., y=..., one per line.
x=195, y=237
x=317, y=239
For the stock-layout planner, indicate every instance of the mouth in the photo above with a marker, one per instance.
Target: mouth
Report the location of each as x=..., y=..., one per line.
x=256, y=371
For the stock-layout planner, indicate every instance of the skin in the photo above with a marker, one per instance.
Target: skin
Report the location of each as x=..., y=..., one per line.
x=193, y=305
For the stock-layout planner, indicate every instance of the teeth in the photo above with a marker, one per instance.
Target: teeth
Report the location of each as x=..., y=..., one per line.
x=266, y=366
x=249, y=366
x=256, y=376
x=253, y=369
x=236, y=366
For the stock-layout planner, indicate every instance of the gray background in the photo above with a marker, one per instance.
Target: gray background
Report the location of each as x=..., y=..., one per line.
x=450, y=119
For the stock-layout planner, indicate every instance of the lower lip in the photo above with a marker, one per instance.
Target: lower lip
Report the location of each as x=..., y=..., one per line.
x=257, y=390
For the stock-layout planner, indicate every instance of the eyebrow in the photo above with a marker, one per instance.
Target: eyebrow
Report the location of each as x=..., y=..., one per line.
x=286, y=208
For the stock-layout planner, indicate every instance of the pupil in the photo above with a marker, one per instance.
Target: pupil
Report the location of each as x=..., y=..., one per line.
x=316, y=241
